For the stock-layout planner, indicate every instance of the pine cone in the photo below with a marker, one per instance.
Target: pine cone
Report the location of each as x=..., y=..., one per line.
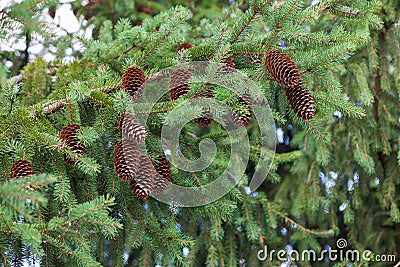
x=282, y=68
x=205, y=118
x=255, y=60
x=143, y=183
x=229, y=65
x=209, y=93
x=126, y=160
x=242, y=118
x=21, y=168
x=184, y=46
x=131, y=129
x=132, y=82
x=229, y=62
x=145, y=8
x=163, y=177
x=68, y=136
x=245, y=99
x=163, y=168
x=178, y=85
x=52, y=11
x=301, y=101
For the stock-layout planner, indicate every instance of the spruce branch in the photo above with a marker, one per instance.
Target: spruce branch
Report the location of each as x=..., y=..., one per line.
x=246, y=18
x=176, y=17
x=331, y=58
x=278, y=25
x=291, y=222
x=349, y=64
x=79, y=255
x=55, y=105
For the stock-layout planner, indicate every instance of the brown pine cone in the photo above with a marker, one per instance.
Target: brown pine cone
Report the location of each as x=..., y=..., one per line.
x=68, y=136
x=126, y=160
x=282, y=68
x=228, y=66
x=21, y=168
x=163, y=177
x=133, y=82
x=143, y=184
x=205, y=119
x=184, y=46
x=131, y=129
x=240, y=117
x=301, y=101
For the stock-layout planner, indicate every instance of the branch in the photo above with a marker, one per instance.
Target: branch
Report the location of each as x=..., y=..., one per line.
x=55, y=105
x=256, y=10
x=301, y=227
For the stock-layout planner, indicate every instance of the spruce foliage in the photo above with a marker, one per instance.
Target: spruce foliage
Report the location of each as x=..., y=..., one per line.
x=336, y=171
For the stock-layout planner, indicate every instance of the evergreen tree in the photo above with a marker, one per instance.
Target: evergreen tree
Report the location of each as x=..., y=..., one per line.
x=77, y=189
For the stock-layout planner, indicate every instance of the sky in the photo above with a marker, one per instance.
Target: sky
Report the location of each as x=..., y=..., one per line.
x=63, y=23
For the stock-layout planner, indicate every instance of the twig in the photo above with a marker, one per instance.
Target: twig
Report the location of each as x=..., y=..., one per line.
x=55, y=105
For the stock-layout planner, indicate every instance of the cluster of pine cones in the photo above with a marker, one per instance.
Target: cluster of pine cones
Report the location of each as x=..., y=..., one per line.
x=153, y=176
x=145, y=175
x=179, y=86
x=22, y=167
x=285, y=72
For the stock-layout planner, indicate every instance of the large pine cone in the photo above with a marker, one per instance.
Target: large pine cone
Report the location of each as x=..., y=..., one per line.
x=68, y=136
x=282, y=68
x=143, y=183
x=133, y=82
x=131, y=129
x=21, y=168
x=126, y=160
x=301, y=101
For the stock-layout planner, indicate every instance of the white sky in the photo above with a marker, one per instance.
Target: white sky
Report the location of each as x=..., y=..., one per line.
x=63, y=23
